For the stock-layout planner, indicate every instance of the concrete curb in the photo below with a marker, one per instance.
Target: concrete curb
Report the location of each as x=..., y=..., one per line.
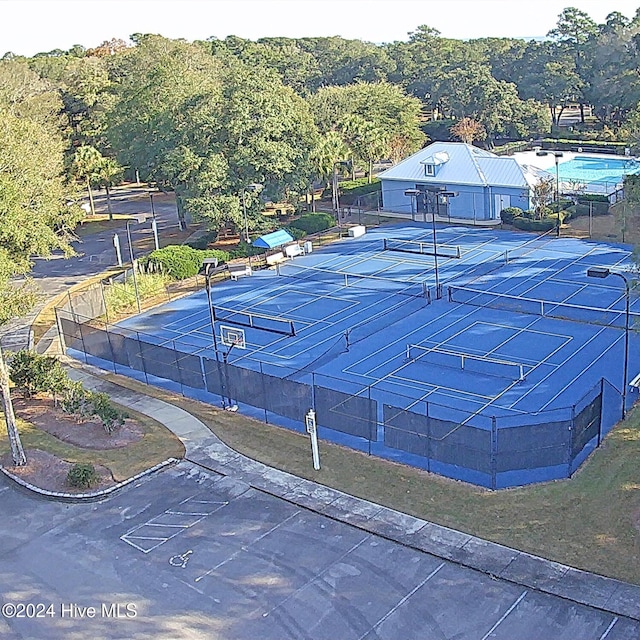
x=91, y=496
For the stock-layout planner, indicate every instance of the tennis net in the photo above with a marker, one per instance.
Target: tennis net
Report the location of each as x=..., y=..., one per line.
x=423, y=248
x=467, y=362
x=358, y=281
x=254, y=320
x=545, y=308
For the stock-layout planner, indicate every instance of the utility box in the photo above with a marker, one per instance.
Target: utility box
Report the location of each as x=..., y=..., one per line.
x=357, y=231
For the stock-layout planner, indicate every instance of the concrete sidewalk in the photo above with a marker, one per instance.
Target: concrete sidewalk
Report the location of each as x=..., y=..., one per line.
x=208, y=451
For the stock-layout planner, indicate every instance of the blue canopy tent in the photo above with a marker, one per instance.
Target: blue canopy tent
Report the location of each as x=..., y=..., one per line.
x=273, y=240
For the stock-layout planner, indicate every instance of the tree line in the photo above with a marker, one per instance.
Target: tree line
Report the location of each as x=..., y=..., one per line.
x=208, y=118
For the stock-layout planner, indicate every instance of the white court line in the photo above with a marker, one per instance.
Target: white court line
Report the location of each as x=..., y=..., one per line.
x=608, y=629
x=403, y=600
x=504, y=615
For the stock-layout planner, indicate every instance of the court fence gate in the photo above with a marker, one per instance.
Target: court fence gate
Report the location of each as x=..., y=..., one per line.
x=493, y=451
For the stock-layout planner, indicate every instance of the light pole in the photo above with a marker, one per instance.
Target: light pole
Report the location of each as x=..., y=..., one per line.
x=604, y=272
x=413, y=194
x=133, y=266
x=153, y=211
x=556, y=156
x=208, y=264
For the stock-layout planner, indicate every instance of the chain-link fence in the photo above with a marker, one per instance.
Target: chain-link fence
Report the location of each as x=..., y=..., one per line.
x=493, y=451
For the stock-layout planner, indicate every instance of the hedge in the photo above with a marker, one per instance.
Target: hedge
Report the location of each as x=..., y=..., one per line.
x=314, y=222
x=526, y=224
x=180, y=261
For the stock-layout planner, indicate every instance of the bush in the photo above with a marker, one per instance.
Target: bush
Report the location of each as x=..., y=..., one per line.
x=101, y=406
x=360, y=186
x=177, y=261
x=223, y=256
x=507, y=215
x=244, y=250
x=34, y=373
x=76, y=400
x=314, y=222
x=527, y=224
x=83, y=476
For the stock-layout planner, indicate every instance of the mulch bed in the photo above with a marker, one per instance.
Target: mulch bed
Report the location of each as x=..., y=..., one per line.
x=46, y=471
x=87, y=434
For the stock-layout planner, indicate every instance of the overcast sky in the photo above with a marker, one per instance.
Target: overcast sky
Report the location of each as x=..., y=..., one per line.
x=31, y=26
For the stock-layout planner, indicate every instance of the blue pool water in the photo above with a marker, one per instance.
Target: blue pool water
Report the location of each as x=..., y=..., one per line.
x=605, y=172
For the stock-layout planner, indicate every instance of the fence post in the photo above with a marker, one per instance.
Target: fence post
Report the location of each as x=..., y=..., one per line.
x=264, y=393
x=601, y=411
x=144, y=368
x=373, y=424
x=494, y=452
x=104, y=302
x=570, y=432
x=178, y=367
x=428, y=436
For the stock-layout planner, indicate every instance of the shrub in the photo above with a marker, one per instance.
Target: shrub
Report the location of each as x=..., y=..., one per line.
x=507, y=215
x=360, y=186
x=100, y=405
x=243, y=250
x=34, y=373
x=314, y=222
x=75, y=400
x=82, y=475
x=223, y=256
x=177, y=261
x=526, y=224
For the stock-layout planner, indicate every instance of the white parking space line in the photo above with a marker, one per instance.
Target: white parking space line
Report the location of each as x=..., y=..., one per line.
x=403, y=600
x=246, y=547
x=608, y=629
x=190, y=519
x=505, y=614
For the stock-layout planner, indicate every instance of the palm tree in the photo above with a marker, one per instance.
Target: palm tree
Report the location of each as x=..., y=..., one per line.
x=86, y=161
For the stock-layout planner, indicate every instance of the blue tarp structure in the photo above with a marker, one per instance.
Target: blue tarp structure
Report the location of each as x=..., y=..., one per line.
x=273, y=240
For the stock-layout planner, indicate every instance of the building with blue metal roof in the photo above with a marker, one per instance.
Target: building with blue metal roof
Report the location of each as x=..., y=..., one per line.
x=458, y=182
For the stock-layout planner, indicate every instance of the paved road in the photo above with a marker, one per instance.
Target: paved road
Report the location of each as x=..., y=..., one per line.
x=200, y=555
x=96, y=252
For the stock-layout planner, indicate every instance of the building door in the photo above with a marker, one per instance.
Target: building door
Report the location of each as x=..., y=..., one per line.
x=501, y=202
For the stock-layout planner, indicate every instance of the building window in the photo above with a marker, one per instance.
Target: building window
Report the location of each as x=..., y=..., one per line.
x=430, y=169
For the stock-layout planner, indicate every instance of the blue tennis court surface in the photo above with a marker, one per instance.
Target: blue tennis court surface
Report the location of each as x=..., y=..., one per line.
x=512, y=376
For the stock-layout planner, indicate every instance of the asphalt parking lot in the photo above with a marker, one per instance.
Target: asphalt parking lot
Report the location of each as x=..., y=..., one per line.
x=189, y=554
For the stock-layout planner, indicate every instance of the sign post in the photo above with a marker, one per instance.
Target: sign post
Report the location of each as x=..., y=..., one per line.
x=310, y=423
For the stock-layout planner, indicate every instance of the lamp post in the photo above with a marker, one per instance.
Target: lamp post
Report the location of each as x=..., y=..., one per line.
x=556, y=156
x=208, y=264
x=413, y=194
x=153, y=211
x=604, y=272
x=133, y=266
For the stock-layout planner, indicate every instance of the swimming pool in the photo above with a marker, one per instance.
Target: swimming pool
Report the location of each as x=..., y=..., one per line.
x=596, y=174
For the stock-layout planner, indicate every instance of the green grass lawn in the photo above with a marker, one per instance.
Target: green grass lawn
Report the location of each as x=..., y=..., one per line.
x=590, y=521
